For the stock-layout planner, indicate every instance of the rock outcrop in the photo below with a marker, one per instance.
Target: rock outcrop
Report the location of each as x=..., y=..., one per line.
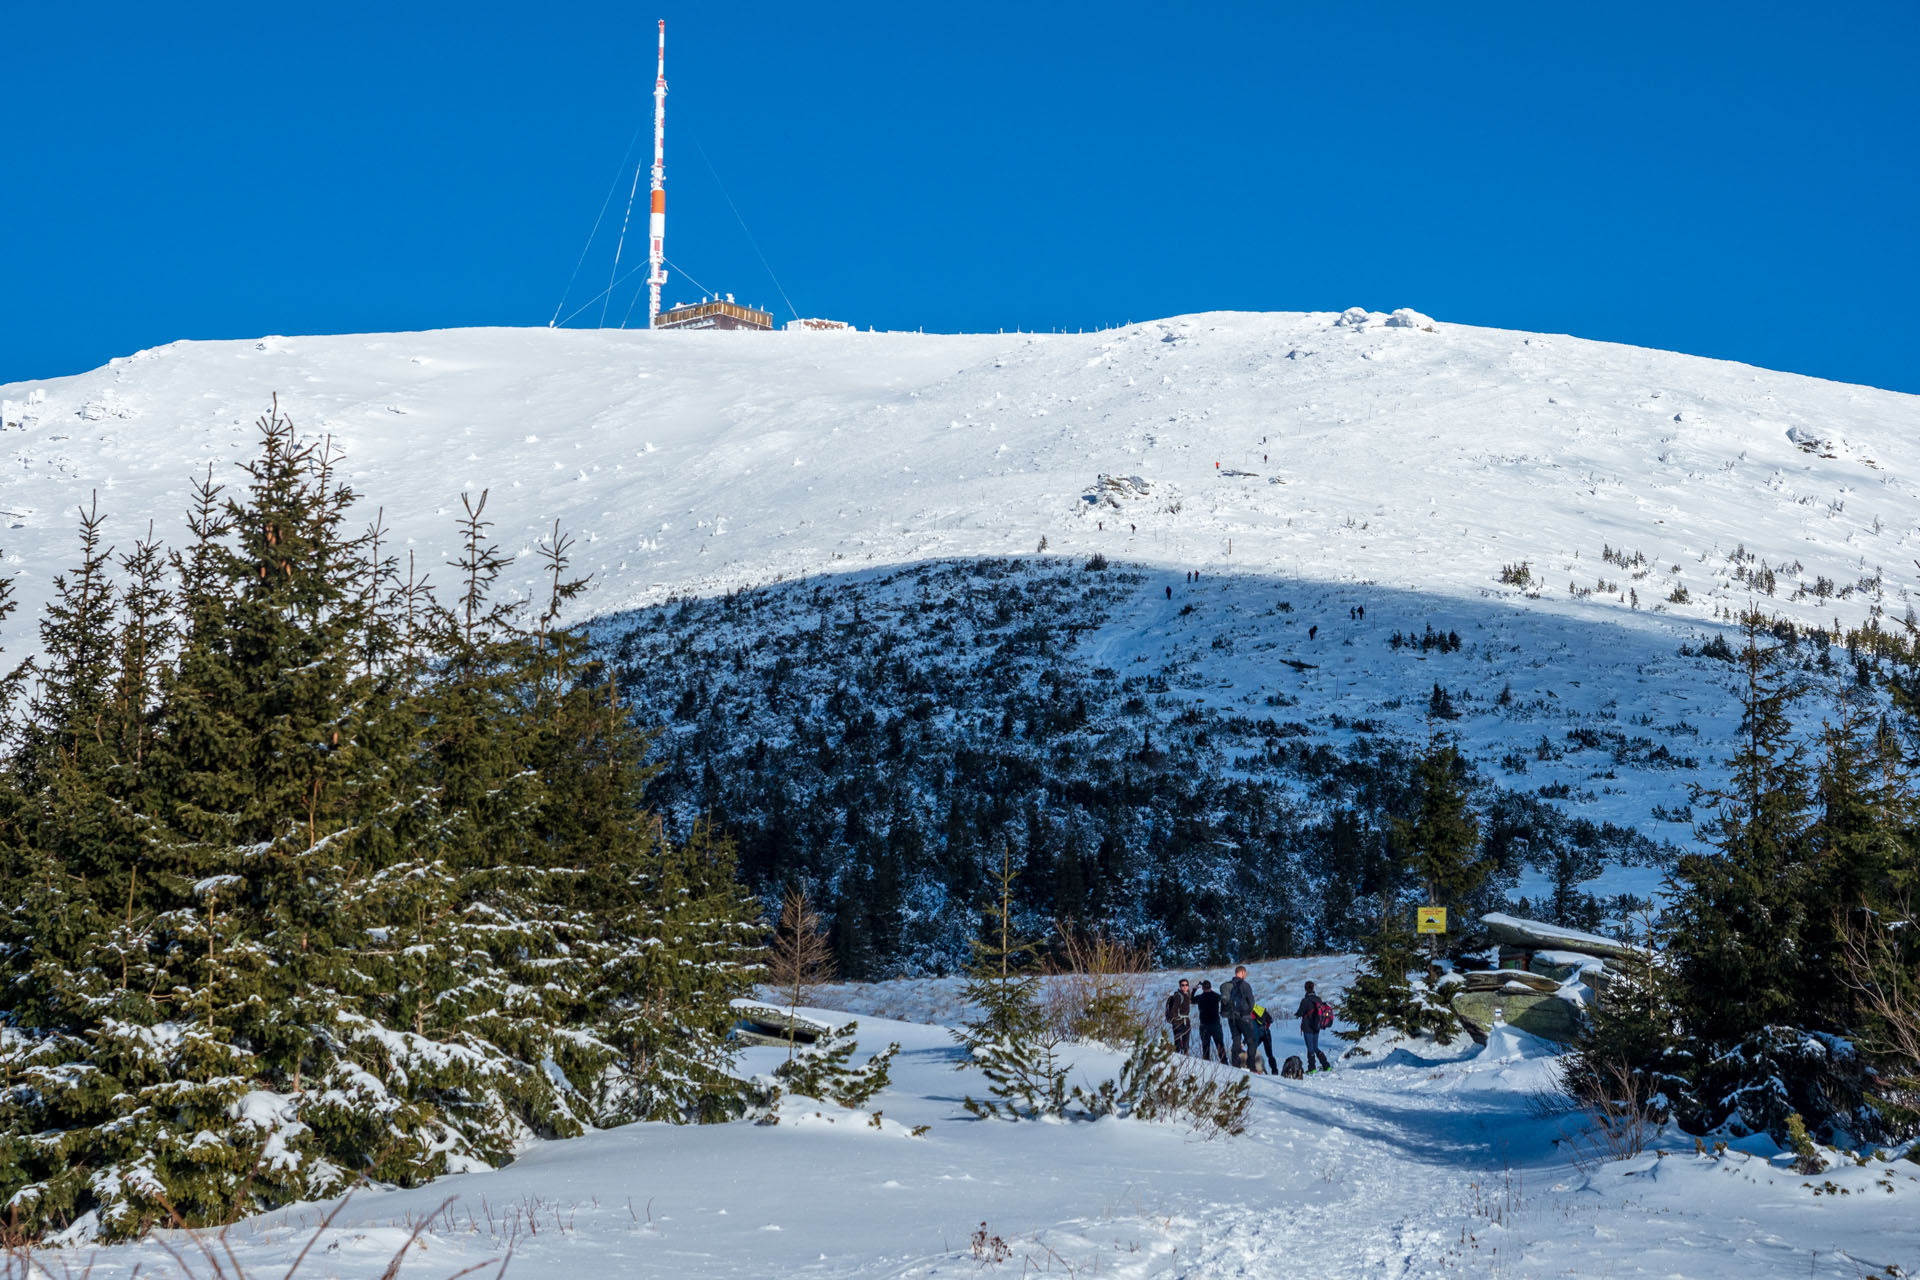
x=1551, y=1017
x=1532, y=935
x=1547, y=979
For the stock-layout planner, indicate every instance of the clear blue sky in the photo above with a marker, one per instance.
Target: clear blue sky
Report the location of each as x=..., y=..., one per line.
x=1735, y=180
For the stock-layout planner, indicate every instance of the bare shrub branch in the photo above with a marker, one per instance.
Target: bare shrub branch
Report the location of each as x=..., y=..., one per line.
x=1096, y=986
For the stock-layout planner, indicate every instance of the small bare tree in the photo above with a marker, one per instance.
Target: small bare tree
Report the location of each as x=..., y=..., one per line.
x=1096, y=986
x=799, y=961
x=1878, y=951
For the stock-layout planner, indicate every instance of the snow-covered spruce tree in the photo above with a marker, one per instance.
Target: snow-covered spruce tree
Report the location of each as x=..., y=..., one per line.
x=308, y=902
x=1630, y=1062
x=1756, y=926
x=679, y=943
x=825, y=1070
x=239, y=1084
x=1386, y=995
x=1157, y=1084
x=475, y=951
x=1438, y=849
x=1010, y=1040
x=77, y=947
x=658, y=935
x=1441, y=842
x=1739, y=912
x=1862, y=845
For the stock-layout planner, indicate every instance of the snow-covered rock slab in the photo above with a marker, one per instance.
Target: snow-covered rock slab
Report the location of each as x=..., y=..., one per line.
x=766, y=1025
x=1563, y=966
x=1508, y=980
x=1535, y=936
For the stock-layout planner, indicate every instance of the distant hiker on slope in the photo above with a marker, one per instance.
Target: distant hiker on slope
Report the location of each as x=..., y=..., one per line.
x=1263, y=1039
x=1237, y=997
x=1180, y=1018
x=1315, y=1015
x=1208, y=1005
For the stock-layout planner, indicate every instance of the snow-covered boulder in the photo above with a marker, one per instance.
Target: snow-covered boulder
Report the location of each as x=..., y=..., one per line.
x=767, y=1025
x=1508, y=980
x=1563, y=966
x=1404, y=318
x=1113, y=490
x=1531, y=935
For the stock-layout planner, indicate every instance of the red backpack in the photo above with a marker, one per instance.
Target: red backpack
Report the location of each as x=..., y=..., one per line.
x=1322, y=1014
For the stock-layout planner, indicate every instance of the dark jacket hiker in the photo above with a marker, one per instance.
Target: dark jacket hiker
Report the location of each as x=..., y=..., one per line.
x=1180, y=1018
x=1208, y=1005
x=1239, y=1002
x=1262, y=1039
x=1313, y=1011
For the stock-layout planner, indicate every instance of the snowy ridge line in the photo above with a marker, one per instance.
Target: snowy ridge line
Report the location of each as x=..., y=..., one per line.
x=1316, y=445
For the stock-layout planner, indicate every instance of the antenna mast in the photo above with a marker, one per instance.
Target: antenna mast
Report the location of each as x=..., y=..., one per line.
x=657, y=219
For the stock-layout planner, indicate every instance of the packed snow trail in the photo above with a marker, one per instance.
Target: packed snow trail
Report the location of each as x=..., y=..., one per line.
x=1429, y=1164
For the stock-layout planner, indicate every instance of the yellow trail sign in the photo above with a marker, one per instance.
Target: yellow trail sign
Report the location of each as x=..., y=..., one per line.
x=1430, y=920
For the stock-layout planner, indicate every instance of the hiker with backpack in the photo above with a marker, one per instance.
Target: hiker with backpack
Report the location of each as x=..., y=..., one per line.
x=1263, y=1039
x=1207, y=1003
x=1237, y=997
x=1180, y=1018
x=1315, y=1015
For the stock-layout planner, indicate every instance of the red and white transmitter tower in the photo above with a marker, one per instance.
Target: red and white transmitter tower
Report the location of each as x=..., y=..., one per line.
x=657, y=217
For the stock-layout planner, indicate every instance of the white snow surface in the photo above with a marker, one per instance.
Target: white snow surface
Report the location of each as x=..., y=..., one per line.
x=1380, y=450
x=1417, y=1162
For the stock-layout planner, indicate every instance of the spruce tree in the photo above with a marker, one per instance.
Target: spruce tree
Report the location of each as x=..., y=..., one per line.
x=1860, y=851
x=682, y=943
x=1440, y=843
x=1008, y=1040
x=316, y=881
x=70, y=714
x=1438, y=849
x=661, y=936
x=1386, y=995
x=1631, y=1058
x=482, y=929
x=1739, y=913
x=1003, y=982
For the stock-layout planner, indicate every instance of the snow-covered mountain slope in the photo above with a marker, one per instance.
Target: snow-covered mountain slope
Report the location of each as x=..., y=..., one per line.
x=1315, y=446
x=1341, y=484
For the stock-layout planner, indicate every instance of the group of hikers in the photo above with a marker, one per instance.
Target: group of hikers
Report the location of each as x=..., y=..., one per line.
x=1250, y=1023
